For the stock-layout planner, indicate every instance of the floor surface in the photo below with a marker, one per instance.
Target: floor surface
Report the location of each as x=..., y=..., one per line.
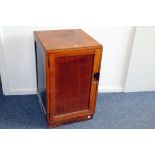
x=113, y=111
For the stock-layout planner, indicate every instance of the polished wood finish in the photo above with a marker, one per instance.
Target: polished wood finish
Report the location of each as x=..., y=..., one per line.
x=73, y=81
x=72, y=59
x=66, y=39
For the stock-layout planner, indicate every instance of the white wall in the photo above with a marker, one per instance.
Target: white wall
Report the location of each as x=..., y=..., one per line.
x=18, y=49
x=3, y=70
x=141, y=74
x=117, y=42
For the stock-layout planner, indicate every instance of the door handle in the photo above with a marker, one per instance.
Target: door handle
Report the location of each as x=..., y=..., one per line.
x=96, y=76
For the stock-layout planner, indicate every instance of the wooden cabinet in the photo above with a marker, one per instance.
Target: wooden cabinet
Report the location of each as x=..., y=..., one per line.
x=68, y=67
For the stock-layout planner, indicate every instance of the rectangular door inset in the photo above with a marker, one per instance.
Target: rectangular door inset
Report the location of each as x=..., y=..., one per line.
x=73, y=76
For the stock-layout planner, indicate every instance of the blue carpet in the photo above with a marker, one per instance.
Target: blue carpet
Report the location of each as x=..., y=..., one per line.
x=114, y=111
x=18, y=112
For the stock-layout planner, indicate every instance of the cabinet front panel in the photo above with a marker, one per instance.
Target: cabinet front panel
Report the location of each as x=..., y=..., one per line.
x=73, y=76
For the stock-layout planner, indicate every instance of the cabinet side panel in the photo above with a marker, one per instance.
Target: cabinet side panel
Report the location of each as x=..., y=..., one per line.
x=41, y=72
x=73, y=82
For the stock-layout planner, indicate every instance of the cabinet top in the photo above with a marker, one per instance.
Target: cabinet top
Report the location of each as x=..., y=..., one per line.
x=66, y=39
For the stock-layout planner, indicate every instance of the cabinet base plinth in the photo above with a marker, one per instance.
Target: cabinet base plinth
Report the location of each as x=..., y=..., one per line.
x=53, y=124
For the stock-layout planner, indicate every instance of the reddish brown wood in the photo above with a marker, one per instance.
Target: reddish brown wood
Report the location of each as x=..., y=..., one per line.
x=94, y=86
x=72, y=59
x=65, y=39
x=73, y=83
x=71, y=119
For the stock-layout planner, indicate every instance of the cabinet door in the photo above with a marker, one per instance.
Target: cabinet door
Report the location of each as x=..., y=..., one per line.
x=73, y=83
